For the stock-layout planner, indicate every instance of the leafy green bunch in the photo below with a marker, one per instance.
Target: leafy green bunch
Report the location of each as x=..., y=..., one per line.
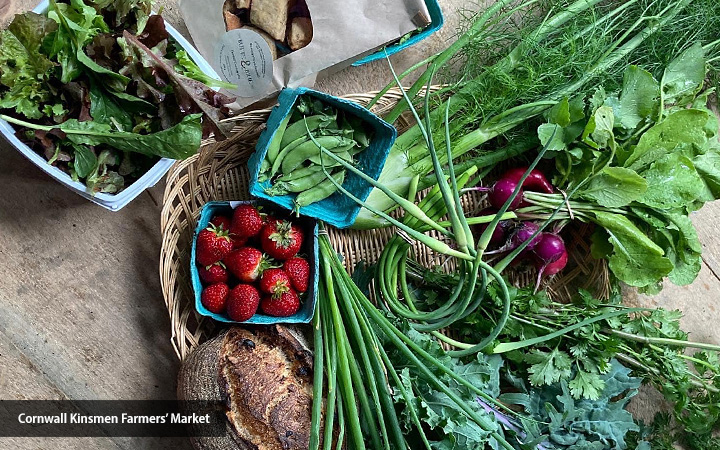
x=107, y=89
x=638, y=161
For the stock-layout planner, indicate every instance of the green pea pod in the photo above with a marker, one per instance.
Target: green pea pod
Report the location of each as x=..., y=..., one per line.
x=285, y=151
x=274, y=147
x=303, y=152
x=320, y=192
x=330, y=162
x=297, y=129
x=300, y=173
x=304, y=183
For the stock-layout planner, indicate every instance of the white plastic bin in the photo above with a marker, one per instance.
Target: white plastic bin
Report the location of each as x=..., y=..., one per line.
x=112, y=202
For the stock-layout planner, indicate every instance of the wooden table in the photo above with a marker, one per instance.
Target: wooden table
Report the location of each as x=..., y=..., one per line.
x=82, y=315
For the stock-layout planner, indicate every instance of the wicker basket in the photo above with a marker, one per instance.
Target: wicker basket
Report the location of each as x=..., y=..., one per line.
x=219, y=172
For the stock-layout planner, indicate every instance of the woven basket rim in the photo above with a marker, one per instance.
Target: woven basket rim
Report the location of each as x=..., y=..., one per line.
x=218, y=172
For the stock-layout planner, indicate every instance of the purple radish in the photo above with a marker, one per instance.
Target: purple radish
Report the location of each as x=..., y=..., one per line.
x=500, y=232
x=535, y=180
x=501, y=191
x=549, y=248
x=551, y=256
x=524, y=232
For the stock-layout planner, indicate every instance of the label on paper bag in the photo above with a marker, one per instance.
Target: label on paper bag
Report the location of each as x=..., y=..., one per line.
x=243, y=58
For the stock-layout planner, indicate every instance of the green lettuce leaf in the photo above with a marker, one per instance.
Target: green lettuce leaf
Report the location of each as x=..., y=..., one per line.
x=684, y=76
x=636, y=259
x=639, y=99
x=23, y=69
x=615, y=187
x=179, y=142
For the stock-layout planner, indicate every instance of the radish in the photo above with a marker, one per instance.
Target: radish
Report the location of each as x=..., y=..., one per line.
x=535, y=180
x=500, y=231
x=501, y=191
x=550, y=256
x=524, y=232
x=549, y=248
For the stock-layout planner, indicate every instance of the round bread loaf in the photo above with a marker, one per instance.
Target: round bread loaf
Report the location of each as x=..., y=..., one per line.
x=264, y=377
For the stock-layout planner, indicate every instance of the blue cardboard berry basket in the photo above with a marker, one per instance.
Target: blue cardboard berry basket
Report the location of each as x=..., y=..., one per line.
x=113, y=202
x=436, y=22
x=338, y=209
x=309, y=250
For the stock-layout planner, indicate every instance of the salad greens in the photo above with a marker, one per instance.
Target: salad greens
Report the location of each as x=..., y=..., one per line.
x=639, y=162
x=102, y=91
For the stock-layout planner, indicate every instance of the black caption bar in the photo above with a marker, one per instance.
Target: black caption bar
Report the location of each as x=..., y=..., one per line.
x=116, y=418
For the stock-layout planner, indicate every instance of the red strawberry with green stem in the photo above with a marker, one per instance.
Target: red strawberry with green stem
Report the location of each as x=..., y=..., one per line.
x=246, y=222
x=214, y=297
x=215, y=273
x=242, y=302
x=223, y=221
x=281, y=239
x=247, y=263
x=274, y=282
x=298, y=270
x=287, y=304
x=213, y=244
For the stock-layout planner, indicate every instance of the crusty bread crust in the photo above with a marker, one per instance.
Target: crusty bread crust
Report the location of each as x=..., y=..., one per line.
x=265, y=377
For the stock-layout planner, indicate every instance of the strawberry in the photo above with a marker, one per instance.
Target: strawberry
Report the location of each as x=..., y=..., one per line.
x=298, y=270
x=238, y=242
x=214, y=297
x=223, y=221
x=246, y=222
x=281, y=239
x=286, y=305
x=242, y=302
x=215, y=273
x=213, y=244
x=274, y=282
x=247, y=264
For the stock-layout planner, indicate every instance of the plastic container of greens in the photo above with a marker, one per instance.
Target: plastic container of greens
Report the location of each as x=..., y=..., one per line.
x=338, y=209
x=113, y=202
x=436, y=22
x=309, y=250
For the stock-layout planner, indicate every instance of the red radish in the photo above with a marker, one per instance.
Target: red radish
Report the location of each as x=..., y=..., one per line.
x=549, y=248
x=498, y=236
x=551, y=256
x=557, y=266
x=548, y=269
x=523, y=233
x=501, y=191
x=535, y=180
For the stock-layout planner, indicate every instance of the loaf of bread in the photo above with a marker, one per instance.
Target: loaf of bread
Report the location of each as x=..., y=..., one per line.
x=264, y=377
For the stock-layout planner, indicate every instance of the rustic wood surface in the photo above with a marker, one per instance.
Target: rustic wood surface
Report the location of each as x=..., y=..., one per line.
x=81, y=311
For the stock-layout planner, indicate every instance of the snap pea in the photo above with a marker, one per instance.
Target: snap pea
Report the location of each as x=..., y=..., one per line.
x=299, y=173
x=285, y=151
x=329, y=162
x=274, y=147
x=302, y=152
x=297, y=129
x=320, y=192
x=304, y=183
